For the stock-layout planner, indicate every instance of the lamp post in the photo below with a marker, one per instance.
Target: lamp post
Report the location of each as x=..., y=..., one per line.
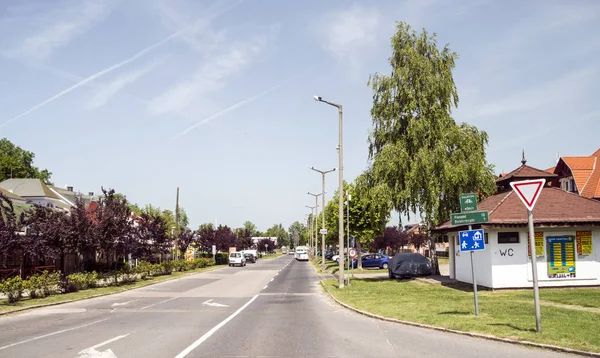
x=348, y=198
x=315, y=217
x=340, y=188
x=323, y=211
x=310, y=224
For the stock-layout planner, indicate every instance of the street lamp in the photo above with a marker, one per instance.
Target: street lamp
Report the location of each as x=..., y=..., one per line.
x=323, y=211
x=315, y=218
x=348, y=198
x=313, y=234
x=340, y=189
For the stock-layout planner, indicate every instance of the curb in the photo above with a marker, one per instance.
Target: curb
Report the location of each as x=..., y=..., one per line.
x=463, y=333
x=96, y=296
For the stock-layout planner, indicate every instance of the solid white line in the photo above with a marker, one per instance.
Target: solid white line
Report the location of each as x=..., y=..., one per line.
x=264, y=288
x=159, y=303
x=272, y=279
x=206, y=335
x=109, y=341
x=52, y=334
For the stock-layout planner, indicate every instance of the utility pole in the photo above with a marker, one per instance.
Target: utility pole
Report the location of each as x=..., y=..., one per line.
x=177, y=225
x=323, y=172
x=316, y=215
x=340, y=187
x=310, y=224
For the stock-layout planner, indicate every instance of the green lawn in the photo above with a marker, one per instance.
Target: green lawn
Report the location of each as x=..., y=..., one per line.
x=28, y=302
x=507, y=314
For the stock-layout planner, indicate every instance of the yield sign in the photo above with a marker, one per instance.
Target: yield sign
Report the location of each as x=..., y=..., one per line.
x=528, y=191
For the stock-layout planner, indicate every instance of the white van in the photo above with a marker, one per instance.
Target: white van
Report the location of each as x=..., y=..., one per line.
x=237, y=258
x=301, y=253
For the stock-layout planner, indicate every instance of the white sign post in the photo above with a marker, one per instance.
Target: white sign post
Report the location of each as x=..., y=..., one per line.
x=214, y=252
x=529, y=191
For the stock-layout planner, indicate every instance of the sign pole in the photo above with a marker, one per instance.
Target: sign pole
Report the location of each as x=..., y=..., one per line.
x=474, y=282
x=536, y=290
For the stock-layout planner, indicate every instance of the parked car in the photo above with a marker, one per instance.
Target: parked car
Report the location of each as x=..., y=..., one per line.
x=249, y=257
x=407, y=265
x=376, y=260
x=329, y=255
x=291, y=252
x=237, y=258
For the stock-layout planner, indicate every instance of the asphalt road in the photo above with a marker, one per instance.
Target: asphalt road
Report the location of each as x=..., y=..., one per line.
x=274, y=308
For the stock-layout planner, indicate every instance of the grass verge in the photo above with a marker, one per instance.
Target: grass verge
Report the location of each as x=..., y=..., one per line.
x=507, y=314
x=26, y=302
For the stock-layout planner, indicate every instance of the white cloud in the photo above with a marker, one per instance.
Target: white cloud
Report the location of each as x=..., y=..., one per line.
x=69, y=23
x=106, y=92
x=348, y=33
x=209, y=77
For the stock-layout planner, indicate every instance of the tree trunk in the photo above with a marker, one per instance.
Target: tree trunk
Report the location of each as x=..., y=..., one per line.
x=433, y=255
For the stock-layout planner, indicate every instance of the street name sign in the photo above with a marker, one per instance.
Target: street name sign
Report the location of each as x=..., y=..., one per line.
x=528, y=191
x=472, y=240
x=475, y=217
x=468, y=202
x=323, y=231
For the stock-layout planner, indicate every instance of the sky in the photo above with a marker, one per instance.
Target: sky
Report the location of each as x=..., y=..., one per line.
x=216, y=97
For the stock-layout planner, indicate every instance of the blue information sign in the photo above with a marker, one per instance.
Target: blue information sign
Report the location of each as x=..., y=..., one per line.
x=472, y=240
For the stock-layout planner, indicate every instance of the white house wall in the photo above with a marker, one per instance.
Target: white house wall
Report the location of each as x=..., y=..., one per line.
x=508, y=265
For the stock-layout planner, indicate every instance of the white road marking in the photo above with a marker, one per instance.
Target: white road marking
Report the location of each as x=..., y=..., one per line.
x=159, y=303
x=121, y=303
x=214, y=304
x=52, y=334
x=272, y=279
x=206, y=335
x=93, y=353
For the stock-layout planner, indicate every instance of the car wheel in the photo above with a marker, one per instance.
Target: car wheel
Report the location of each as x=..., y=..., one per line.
x=384, y=266
x=390, y=274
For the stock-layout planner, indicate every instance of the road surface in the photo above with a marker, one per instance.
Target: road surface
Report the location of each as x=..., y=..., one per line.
x=274, y=308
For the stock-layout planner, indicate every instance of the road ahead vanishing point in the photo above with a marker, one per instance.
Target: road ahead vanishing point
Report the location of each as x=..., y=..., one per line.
x=274, y=308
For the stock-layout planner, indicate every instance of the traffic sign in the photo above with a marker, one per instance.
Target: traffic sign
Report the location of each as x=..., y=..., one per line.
x=468, y=202
x=472, y=240
x=528, y=191
x=352, y=253
x=475, y=217
x=323, y=231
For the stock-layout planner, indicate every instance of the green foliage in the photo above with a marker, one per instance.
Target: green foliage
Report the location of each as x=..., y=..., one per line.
x=280, y=233
x=418, y=150
x=298, y=234
x=16, y=162
x=249, y=225
x=43, y=284
x=13, y=288
x=82, y=280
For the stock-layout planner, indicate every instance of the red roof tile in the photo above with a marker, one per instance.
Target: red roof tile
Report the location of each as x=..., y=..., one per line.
x=524, y=172
x=554, y=207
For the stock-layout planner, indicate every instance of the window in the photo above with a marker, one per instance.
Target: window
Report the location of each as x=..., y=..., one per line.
x=485, y=235
x=508, y=237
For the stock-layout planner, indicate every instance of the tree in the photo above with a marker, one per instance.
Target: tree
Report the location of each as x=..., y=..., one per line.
x=16, y=162
x=249, y=225
x=185, y=239
x=114, y=226
x=418, y=150
x=10, y=240
x=206, y=237
x=46, y=234
x=297, y=233
x=243, y=238
x=81, y=235
x=269, y=243
x=280, y=233
x=392, y=237
x=224, y=238
x=369, y=211
x=418, y=239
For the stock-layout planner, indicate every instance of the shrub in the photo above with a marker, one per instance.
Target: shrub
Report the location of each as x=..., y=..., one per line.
x=13, y=288
x=128, y=275
x=43, y=284
x=167, y=267
x=82, y=281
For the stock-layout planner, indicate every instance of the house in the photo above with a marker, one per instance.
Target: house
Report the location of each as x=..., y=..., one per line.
x=580, y=175
x=35, y=191
x=567, y=238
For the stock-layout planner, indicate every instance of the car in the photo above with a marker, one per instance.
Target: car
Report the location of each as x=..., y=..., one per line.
x=329, y=255
x=291, y=252
x=301, y=254
x=249, y=257
x=375, y=260
x=237, y=258
x=407, y=265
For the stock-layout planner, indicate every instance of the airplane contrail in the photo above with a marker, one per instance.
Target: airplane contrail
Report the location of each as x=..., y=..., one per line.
x=239, y=104
x=228, y=109
x=107, y=70
x=93, y=77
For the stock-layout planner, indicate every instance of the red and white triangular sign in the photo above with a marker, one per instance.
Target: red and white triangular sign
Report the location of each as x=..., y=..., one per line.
x=528, y=191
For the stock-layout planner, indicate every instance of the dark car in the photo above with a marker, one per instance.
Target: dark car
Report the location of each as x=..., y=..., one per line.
x=329, y=255
x=376, y=260
x=407, y=265
x=250, y=257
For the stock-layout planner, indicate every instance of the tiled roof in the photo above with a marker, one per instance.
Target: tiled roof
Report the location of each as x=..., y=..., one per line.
x=585, y=172
x=554, y=207
x=550, y=170
x=11, y=196
x=524, y=172
x=28, y=188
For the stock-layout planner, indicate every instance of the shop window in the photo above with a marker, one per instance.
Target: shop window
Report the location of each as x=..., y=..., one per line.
x=508, y=237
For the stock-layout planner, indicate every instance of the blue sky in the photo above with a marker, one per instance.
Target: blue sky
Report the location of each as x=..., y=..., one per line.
x=216, y=96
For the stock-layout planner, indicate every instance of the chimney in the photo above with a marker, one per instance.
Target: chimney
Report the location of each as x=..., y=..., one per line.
x=91, y=193
x=69, y=188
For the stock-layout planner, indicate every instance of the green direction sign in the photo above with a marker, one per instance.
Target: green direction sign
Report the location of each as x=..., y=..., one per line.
x=468, y=202
x=475, y=217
